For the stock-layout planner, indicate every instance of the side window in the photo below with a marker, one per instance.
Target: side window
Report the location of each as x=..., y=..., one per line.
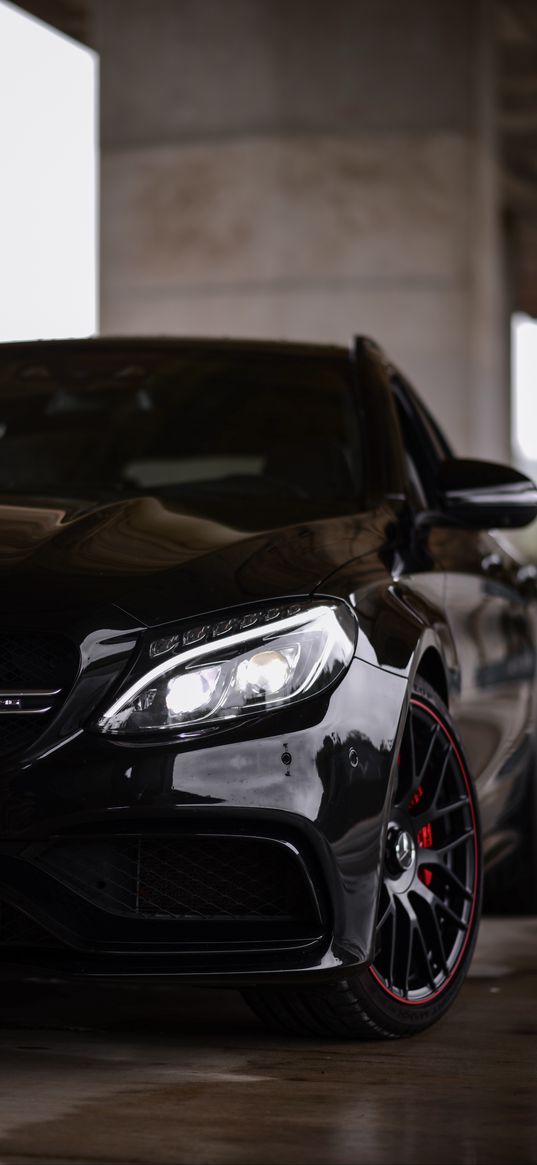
x=416, y=488
x=434, y=433
x=424, y=448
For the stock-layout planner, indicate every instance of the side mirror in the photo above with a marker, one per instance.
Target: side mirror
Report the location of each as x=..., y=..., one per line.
x=482, y=495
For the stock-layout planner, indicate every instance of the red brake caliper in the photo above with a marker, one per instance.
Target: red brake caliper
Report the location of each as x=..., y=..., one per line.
x=425, y=837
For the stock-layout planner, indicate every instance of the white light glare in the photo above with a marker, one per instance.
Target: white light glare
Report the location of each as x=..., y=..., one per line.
x=48, y=147
x=191, y=691
x=265, y=672
x=524, y=345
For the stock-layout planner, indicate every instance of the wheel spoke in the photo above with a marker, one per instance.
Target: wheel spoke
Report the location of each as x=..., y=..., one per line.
x=450, y=913
x=386, y=914
x=434, y=903
x=441, y=779
x=409, y=953
x=448, y=846
x=433, y=814
x=408, y=924
x=418, y=776
x=456, y=881
x=429, y=753
x=392, y=949
x=440, y=940
x=412, y=748
x=423, y=944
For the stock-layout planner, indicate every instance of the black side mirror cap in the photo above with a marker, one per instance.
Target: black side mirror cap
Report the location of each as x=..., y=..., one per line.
x=481, y=495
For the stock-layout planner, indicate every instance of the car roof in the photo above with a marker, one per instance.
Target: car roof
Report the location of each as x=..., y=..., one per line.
x=118, y=343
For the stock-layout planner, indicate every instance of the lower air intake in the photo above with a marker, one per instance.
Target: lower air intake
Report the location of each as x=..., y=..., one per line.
x=184, y=877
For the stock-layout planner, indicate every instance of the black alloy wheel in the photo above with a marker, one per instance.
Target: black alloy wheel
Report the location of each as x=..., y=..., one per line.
x=429, y=903
x=431, y=872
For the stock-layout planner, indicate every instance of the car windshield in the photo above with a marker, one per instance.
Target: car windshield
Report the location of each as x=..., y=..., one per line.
x=181, y=423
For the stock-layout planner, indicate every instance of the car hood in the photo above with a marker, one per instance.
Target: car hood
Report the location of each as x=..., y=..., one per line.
x=159, y=563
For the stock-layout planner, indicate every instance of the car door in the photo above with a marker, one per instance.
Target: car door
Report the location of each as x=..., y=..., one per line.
x=492, y=689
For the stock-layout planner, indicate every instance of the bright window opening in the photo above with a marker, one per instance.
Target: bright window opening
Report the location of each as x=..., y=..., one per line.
x=48, y=147
x=524, y=381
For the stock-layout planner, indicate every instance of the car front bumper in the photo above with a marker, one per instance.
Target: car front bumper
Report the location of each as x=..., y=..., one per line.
x=252, y=856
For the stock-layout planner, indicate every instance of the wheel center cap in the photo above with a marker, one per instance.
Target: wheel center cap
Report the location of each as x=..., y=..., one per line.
x=405, y=850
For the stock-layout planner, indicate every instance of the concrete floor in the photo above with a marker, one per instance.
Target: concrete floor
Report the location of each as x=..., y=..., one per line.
x=121, y=1075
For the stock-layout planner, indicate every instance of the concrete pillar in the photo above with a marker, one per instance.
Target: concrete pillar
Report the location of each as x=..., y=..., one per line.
x=309, y=169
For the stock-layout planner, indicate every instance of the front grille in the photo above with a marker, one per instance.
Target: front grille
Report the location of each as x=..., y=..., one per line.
x=184, y=877
x=31, y=662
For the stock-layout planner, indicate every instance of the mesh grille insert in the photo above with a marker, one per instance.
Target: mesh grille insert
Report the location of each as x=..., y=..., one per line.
x=185, y=877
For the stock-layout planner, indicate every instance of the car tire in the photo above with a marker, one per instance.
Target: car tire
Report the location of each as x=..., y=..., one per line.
x=428, y=913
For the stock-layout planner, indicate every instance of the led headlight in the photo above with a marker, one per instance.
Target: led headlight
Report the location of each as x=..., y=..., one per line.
x=234, y=667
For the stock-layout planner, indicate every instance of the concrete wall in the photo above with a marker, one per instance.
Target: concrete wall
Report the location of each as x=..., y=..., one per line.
x=310, y=169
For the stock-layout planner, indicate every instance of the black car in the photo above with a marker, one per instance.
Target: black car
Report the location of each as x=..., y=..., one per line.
x=267, y=684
